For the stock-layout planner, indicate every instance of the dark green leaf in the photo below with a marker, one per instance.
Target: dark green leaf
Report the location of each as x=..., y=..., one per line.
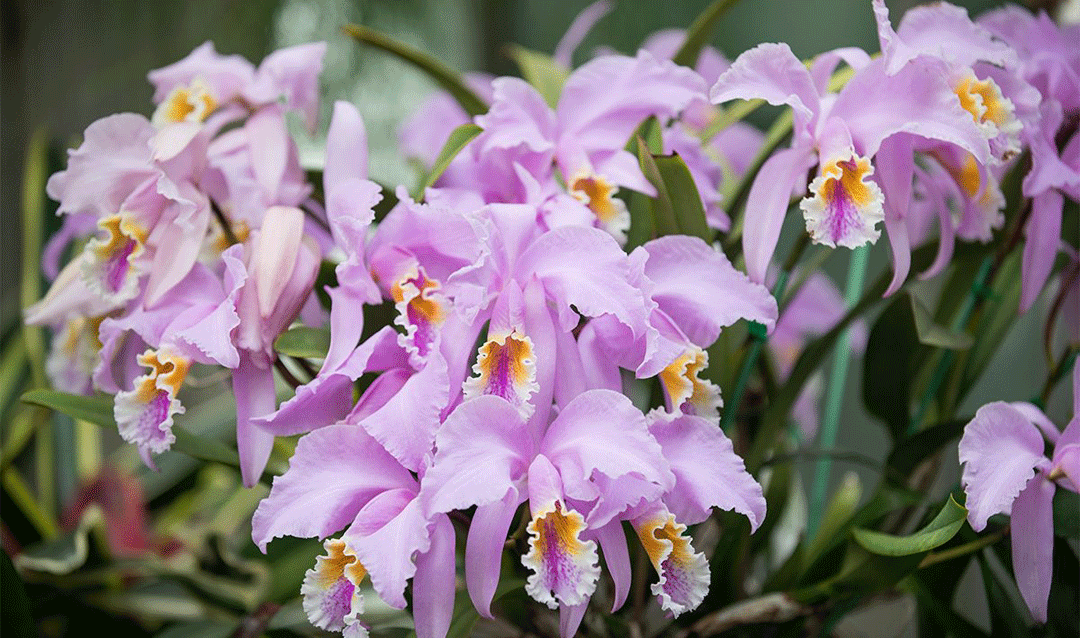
x=458, y=139
x=199, y=629
x=697, y=36
x=541, y=71
x=304, y=342
x=15, y=612
x=446, y=77
x=1067, y=514
x=203, y=448
x=465, y=615
x=934, y=335
x=1005, y=619
x=677, y=207
x=938, y=532
x=913, y=450
x=889, y=365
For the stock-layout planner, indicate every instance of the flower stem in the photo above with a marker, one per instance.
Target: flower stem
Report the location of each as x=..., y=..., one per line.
x=837, y=378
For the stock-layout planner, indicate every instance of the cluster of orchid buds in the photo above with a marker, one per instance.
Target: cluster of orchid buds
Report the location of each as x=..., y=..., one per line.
x=529, y=329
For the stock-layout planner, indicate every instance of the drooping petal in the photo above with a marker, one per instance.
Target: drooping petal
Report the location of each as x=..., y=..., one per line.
x=253, y=385
x=1033, y=544
x=564, y=567
x=1000, y=451
x=767, y=204
x=707, y=471
x=434, y=583
x=578, y=29
x=612, y=543
x=331, y=589
x=895, y=170
x=484, y=548
x=684, y=573
x=333, y=473
x=1042, y=235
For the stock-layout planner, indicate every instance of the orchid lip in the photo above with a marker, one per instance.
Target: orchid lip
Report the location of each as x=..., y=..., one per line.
x=598, y=194
x=190, y=103
x=505, y=367
x=565, y=568
x=331, y=590
x=421, y=309
x=845, y=205
x=112, y=268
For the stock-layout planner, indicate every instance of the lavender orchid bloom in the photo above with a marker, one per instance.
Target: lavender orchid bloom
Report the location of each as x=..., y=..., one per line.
x=342, y=478
x=841, y=133
x=488, y=458
x=1006, y=472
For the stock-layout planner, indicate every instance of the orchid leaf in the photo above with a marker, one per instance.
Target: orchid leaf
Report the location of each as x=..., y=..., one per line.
x=304, y=342
x=677, y=207
x=446, y=77
x=936, y=533
x=699, y=33
x=459, y=138
x=932, y=334
x=541, y=71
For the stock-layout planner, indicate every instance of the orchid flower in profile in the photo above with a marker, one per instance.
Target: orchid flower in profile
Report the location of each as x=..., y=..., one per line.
x=1007, y=472
x=342, y=478
x=842, y=133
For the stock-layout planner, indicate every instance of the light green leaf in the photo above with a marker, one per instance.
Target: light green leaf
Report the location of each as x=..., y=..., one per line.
x=677, y=207
x=304, y=342
x=938, y=532
x=541, y=71
x=458, y=139
x=935, y=335
x=446, y=77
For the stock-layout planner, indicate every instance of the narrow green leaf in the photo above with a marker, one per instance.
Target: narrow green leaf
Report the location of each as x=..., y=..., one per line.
x=465, y=616
x=1005, y=618
x=33, y=215
x=458, y=139
x=889, y=365
x=446, y=77
x=938, y=532
x=96, y=409
x=911, y=451
x=303, y=342
x=841, y=508
x=541, y=71
x=200, y=629
x=932, y=334
x=684, y=196
x=697, y=36
x=663, y=213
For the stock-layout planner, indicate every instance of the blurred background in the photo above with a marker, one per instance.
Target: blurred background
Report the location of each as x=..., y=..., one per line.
x=66, y=64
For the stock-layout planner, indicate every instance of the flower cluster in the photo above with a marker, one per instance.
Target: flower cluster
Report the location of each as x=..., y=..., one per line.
x=521, y=312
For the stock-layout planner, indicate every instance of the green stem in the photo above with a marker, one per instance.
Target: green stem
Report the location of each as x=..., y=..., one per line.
x=831, y=419
x=961, y=550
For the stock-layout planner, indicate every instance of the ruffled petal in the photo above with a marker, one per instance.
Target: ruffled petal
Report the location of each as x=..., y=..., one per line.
x=684, y=573
x=331, y=590
x=1000, y=451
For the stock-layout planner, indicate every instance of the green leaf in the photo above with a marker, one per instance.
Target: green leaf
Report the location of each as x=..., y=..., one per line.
x=465, y=616
x=303, y=342
x=911, y=451
x=541, y=71
x=33, y=214
x=677, y=207
x=1005, y=619
x=938, y=532
x=697, y=36
x=443, y=75
x=934, y=335
x=841, y=508
x=15, y=614
x=199, y=629
x=97, y=409
x=684, y=196
x=1067, y=514
x=458, y=139
x=889, y=365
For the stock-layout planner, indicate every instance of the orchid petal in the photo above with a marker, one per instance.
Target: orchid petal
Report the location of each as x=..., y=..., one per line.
x=1033, y=544
x=484, y=548
x=1000, y=451
x=253, y=386
x=1042, y=234
x=333, y=473
x=767, y=204
x=612, y=543
x=771, y=72
x=434, y=583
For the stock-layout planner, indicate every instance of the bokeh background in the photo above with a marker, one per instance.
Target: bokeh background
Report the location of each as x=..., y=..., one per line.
x=66, y=64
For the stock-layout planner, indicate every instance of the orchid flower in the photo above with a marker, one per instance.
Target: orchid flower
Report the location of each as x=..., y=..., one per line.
x=842, y=133
x=1007, y=472
x=342, y=478
x=488, y=458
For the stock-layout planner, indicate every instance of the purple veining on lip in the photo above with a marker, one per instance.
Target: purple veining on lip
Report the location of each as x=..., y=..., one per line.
x=157, y=411
x=116, y=267
x=337, y=602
